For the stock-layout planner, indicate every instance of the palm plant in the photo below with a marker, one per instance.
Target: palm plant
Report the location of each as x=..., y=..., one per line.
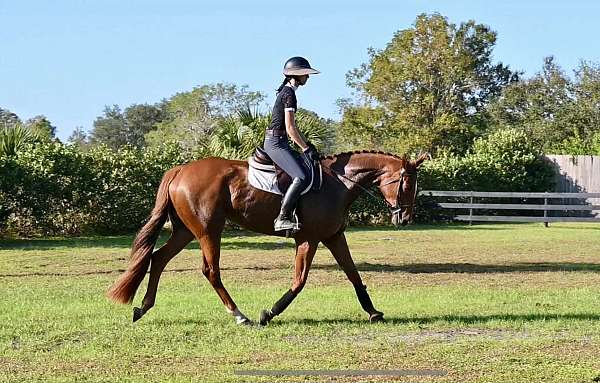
x=237, y=136
x=14, y=137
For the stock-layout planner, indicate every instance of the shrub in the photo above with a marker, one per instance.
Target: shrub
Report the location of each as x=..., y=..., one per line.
x=51, y=189
x=506, y=160
x=55, y=189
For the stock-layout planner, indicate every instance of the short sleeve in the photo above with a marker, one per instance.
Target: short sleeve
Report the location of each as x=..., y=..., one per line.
x=289, y=102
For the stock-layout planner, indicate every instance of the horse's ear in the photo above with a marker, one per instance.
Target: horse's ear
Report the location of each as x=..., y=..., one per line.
x=422, y=157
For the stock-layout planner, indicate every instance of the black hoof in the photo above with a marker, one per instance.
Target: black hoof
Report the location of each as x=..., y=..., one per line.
x=265, y=317
x=376, y=317
x=138, y=313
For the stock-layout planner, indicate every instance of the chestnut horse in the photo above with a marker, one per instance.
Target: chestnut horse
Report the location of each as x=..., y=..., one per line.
x=198, y=197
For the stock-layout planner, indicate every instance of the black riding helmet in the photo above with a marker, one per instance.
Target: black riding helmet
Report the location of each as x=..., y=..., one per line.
x=298, y=66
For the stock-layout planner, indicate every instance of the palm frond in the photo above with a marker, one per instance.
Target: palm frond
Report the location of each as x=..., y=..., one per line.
x=14, y=137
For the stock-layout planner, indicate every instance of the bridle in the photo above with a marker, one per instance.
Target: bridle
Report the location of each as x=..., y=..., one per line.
x=394, y=210
x=400, y=180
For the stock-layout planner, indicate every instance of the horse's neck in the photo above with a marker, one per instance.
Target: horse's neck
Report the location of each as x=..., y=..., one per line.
x=362, y=169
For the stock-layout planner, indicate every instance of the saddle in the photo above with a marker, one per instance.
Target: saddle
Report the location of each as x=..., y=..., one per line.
x=264, y=174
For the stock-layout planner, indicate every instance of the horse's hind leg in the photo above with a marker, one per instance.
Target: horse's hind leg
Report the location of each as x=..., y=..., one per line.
x=339, y=248
x=211, y=252
x=180, y=237
x=305, y=252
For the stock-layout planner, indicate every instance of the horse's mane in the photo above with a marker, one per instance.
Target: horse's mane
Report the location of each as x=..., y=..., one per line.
x=352, y=152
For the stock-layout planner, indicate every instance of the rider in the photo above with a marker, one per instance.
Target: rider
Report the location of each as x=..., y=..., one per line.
x=283, y=127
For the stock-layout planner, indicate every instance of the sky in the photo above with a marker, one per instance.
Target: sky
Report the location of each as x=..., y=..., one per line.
x=68, y=59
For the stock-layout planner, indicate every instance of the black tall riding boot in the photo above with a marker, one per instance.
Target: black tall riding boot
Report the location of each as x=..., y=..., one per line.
x=284, y=220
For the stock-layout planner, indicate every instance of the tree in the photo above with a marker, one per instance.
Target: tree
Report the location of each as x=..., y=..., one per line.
x=191, y=117
x=109, y=128
x=428, y=88
x=14, y=138
x=561, y=114
x=585, y=115
x=140, y=119
x=8, y=118
x=536, y=105
x=41, y=127
x=79, y=138
x=238, y=135
x=116, y=128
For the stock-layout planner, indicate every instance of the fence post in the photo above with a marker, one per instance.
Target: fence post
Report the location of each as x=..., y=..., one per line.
x=471, y=211
x=545, y=211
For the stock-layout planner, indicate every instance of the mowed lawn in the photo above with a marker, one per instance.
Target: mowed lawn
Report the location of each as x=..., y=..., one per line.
x=486, y=303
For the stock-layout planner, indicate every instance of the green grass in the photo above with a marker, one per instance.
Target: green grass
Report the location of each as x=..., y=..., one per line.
x=502, y=303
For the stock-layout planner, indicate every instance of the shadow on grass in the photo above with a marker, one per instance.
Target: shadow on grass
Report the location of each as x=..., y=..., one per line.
x=413, y=268
x=231, y=242
x=231, y=237
x=469, y=268
x=421, y=320
x=58, y=243
x=460, y=319
x=455, y=226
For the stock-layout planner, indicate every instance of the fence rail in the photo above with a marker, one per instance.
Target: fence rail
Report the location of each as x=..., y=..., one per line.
x=545, y=207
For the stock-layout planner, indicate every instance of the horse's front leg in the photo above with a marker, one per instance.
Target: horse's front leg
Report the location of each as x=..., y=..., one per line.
x=305, y=252
x=339, y=248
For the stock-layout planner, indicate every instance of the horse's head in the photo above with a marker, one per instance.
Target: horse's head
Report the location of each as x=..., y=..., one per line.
x=398, y=184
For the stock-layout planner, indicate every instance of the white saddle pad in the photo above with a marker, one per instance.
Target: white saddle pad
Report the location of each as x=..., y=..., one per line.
x=264, y=177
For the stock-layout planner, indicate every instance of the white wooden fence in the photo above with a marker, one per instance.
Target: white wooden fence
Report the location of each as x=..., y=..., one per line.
x=576, y=191
x=472, y=206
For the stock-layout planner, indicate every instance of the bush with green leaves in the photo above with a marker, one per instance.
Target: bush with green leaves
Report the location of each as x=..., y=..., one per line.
x=51, y=188
x=125, y=184
x=55, y=189
x=506, y=160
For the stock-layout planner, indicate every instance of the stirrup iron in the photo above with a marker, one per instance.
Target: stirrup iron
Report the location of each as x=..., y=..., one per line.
x=290, y=227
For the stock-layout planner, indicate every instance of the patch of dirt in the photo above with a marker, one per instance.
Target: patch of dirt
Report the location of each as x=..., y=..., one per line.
x=451, y=335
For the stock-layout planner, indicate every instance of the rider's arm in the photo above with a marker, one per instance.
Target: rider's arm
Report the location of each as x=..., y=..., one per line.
x=292, y=130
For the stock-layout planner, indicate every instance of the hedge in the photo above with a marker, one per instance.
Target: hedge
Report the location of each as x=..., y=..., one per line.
x=55, y=189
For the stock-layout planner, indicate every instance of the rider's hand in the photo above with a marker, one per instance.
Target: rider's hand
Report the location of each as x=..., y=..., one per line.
x=311, y=152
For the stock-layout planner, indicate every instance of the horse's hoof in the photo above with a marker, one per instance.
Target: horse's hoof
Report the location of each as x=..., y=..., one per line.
x=376, y=317
x=265, y=317
x=245, y=322
x=138, y=313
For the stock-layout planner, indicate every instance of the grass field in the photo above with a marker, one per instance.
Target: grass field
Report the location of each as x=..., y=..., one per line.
x=487, y=303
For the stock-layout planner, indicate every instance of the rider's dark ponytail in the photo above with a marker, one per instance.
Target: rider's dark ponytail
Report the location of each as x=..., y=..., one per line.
x=284, y=83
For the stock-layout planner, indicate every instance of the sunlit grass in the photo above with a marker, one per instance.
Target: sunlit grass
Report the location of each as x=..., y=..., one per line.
x=486, y=303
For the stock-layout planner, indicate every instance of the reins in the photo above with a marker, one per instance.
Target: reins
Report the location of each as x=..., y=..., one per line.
x=393, y=209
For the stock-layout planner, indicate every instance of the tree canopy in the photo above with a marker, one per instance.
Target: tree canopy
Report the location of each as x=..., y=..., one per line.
x=560, y=113
x=116, y=128
x=191, y=117
x=427, y=88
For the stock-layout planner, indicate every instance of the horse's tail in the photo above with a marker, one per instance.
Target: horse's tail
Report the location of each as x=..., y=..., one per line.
x=123, y=290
